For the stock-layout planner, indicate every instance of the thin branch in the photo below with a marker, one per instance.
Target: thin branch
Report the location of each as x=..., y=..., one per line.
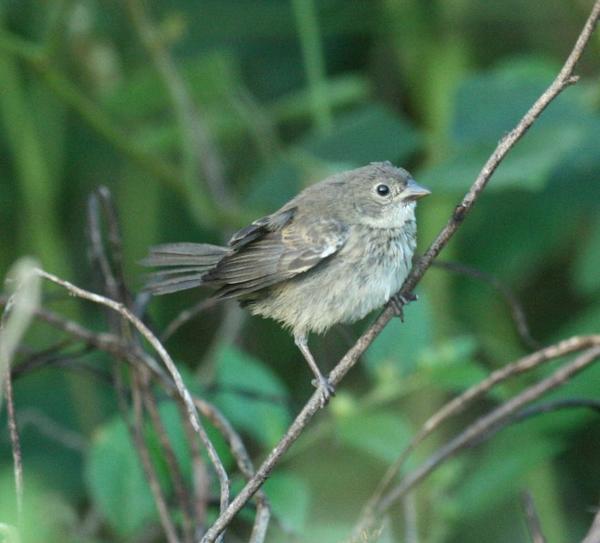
x=115, y=242
x=409, y=510
x=200, y=480
x=187, y=315
x=14, y=321
x=182, y=390
x=137, y=431
x=93, y=115
x=516, y=309
x=488, y=424
x=114, y=346
x=534, y=526
x=564, y=79
x=593, y=535
x=171, y=461
x=199, y=151
x=51, y=429
x=556, y=405
x=244, y=463
x=460, y=403
x=15, y=444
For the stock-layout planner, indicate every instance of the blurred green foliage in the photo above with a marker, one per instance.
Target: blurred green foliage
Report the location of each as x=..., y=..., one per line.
x=288, y=92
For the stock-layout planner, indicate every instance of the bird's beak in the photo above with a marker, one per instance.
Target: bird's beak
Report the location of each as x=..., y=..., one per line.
x=414, y=191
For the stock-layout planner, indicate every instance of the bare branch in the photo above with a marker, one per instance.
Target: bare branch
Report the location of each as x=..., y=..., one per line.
x=533, y=521
x=564, y=78
x=182, y=390
x=51, y=429
x=171, y=461
x=14, y=321
x=593, y=536
x=199, y=151
x=460, y=403
x=556, y=405
x=15, y=443
x=516, y=309
x=137, y=431
x=187, y=315
x=489, y=423
x=116, y=347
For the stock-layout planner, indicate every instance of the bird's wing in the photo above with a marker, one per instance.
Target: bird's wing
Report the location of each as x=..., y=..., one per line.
x=261, y=227
x=276, y=256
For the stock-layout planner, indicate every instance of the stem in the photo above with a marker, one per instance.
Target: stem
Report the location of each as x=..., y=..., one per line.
x=314, y=63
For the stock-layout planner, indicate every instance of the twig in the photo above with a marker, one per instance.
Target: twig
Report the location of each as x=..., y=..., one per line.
x=461, y=402
x=516, y=309
x=593, y=535
x=185, y=316
x=52, y=429
x=531, y=517
x=137, y=389
x=93, y=115
x=171, y=461
x=548, y=407
x=182, y=390
x=488, y=423
x=15, y=444
x=114, y=346
x=409, y=510
x=115, y=242
x=564, y=79
x=14, y=322
x=199, y=151
x=244, y=463
x=200, y=480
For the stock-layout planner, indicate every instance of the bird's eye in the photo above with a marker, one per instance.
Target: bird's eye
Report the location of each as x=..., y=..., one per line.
x=382, y=190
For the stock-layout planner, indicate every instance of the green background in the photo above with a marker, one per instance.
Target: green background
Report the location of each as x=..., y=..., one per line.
x=288, y=92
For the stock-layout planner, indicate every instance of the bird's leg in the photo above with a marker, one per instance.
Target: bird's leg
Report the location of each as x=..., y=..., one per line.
x=321, y=382
x=398, y=302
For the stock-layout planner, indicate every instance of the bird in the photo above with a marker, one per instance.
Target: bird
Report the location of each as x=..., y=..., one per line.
x=335, y=252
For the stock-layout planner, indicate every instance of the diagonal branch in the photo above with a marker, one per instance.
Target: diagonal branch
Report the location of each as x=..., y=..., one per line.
x=564, y=79
x=489, y=423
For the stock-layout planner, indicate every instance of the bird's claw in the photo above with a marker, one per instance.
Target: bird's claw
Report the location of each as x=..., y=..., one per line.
x=399, y=301
x=325, y=387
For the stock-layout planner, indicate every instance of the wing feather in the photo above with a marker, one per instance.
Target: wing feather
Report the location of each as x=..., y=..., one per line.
x=276, y=256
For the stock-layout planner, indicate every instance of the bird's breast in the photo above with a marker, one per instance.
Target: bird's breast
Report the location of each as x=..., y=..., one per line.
x=361, y=277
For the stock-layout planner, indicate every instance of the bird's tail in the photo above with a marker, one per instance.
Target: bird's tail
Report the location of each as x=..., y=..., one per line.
x=184, y=265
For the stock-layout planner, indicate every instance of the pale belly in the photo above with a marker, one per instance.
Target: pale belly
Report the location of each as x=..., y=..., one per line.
x=360, y=278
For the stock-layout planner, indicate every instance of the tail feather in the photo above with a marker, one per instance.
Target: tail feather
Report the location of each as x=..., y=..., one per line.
x=186, y=264
x=185, y=254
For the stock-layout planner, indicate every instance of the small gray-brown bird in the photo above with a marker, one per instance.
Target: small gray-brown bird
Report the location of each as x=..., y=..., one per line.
x=340, y=249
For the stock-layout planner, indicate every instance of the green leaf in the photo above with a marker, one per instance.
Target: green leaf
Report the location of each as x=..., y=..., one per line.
x=382, y=434
x=488, y=106
x=369, y=134
x=46, y=516
x=250, y=395
x=341, y=91
x=116, y=481
x=450, y=365
x=290, y=499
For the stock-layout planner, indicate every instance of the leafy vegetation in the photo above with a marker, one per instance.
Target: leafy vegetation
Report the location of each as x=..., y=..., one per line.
x=288, y=92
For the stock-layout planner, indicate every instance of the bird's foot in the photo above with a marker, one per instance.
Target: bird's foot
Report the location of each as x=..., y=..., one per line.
x=399, y=301
x=325, y=387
